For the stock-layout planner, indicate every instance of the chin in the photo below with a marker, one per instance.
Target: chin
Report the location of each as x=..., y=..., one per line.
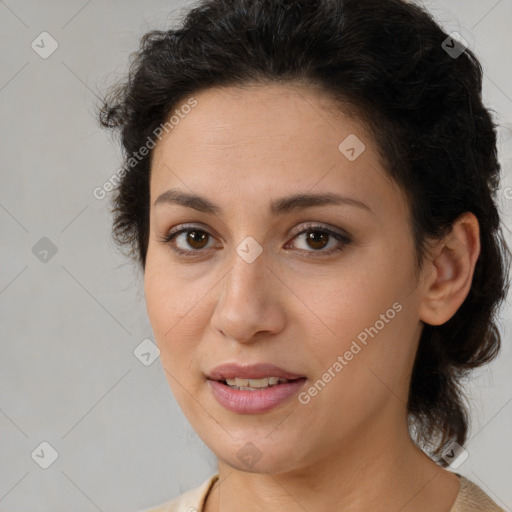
x=259, y=454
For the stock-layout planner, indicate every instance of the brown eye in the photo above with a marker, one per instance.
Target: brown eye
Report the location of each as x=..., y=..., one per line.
x=317, y=239
x=196, y=239
x=188, y=241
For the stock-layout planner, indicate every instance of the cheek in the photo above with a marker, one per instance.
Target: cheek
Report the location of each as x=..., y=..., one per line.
x=354, y=301
x=177, y=317
x=169, y=298
x=371, y=326
x=166, y=310
x=357, y=378
x=159, y=297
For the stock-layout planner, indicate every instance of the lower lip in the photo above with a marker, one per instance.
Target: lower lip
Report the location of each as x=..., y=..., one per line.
x=254, y=402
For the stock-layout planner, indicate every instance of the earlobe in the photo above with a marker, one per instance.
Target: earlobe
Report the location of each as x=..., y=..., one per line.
x=450, y=271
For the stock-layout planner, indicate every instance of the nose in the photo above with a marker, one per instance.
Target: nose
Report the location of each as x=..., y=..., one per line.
x=250, y=303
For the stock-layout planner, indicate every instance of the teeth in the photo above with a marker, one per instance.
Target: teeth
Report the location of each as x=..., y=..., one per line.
x=249, y=384
x=237, y=382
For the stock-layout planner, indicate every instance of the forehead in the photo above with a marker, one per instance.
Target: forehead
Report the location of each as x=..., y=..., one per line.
x=226, y=116
x=267, y=138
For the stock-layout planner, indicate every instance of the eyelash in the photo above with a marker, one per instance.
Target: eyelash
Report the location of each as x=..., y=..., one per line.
x=342, y=238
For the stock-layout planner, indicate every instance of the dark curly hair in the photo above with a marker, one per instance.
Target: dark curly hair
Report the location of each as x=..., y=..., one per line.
x=384, y=60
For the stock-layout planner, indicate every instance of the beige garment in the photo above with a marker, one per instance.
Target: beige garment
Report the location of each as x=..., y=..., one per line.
x=470, y=499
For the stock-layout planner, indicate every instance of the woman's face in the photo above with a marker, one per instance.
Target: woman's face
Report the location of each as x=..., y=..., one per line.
x=322, y=288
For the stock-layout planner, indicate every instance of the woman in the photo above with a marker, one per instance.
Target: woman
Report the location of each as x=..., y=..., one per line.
x=309, y=188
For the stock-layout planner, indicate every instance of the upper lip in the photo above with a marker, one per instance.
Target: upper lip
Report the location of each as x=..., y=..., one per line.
x=253, y=371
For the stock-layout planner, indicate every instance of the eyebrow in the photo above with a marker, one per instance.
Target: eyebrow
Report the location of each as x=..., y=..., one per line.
x=277, y=207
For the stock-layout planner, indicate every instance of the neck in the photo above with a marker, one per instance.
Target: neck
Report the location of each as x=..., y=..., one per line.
x=380, y=470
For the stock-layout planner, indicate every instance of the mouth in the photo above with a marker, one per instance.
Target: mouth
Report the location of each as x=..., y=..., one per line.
x=253, y=389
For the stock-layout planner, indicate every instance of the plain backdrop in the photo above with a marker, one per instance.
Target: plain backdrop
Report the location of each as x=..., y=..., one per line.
x=72, y=307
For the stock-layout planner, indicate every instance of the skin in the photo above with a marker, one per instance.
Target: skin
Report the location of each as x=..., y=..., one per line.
x=348, y=448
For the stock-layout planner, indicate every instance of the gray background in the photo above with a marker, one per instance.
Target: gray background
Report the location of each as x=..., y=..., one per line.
x=68, y=374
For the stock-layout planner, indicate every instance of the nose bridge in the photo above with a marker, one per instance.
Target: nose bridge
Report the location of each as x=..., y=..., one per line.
x=246, y=303
x=248, y=272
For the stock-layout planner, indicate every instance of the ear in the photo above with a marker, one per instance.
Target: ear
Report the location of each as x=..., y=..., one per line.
x=449, y=273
